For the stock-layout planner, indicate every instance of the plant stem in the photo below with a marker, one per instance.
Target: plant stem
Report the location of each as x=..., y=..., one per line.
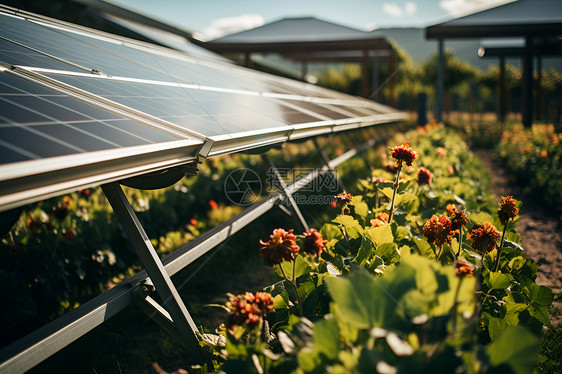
x=500, y=247
x=439, y=254
x=294, y=284
x=394, y=192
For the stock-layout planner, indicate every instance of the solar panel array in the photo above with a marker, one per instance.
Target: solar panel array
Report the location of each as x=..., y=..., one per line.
x=82, y=107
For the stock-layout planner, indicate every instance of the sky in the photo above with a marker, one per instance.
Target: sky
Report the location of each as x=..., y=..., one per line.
x=211, y=19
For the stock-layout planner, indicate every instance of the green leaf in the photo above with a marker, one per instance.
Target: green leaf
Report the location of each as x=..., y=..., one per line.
x=361, y=208
x=479, y=218
x=388, y=252
x=281, y=301
x=516, y=348
x=380, y=235
x=499, y=281
x=387, y=191
x=541, y=313
x=403, y=198
x=302, y=268
x=365, y=252
x=425, y=248
x=345, y=220
x=327, y=338
x=331, y=232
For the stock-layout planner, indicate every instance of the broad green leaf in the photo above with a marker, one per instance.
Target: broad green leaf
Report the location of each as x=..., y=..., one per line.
x=302, y=268
x=515, y=347
x=387, y=191
x=361, y=208
x=365, y=252
x=331, y=232
x=345, y=220
x=376, y=265
x=516, y=263
x=281, y=301
x=499, y=281
x=388, y=252
x=425, y=248
x=403, y=198
x=380, y=235
x=541, y=313
x=495, y=326
x=479, y=218
x=327, y=338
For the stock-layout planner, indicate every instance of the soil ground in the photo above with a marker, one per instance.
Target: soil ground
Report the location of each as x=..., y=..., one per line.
x=540, y=232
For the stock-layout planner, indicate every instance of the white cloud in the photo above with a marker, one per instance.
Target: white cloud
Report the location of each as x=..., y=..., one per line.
x=230, y=25
x=392, y=9
x=410, y=8
x=396, y=11
x=457, y=8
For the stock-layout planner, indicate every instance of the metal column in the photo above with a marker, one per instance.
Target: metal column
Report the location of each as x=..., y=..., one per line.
x=326, y=161
x=155, y=269
x=282, y=186
x=440, y=82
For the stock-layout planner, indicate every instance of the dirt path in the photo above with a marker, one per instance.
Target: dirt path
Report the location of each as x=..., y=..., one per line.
x=540, y=233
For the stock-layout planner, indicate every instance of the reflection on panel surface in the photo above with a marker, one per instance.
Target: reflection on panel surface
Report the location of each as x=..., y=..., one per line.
x=36, y=122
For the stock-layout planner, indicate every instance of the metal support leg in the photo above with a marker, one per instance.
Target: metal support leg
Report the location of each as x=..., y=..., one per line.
x=164, y=286
x=296, y=213
x=327, y=160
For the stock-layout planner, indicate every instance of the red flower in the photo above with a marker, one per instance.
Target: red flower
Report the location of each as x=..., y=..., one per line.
x=248, y=309
x=376, y=181
x=484, y=237
x=193, y=222
x=213, y=204
x=404, y=153
x=437, y=230
x=314, y=244
x=458, y=217
x=281, y=246
x=343, y=198
x=424, y=176
x=508, y=209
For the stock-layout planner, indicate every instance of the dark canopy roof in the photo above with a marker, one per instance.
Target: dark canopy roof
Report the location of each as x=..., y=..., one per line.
x=305, y=38
x=519, y=18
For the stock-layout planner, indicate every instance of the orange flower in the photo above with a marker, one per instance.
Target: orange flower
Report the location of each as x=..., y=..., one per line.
x=314, y=243
x=508, y=209
x=484, y=237
x=381, y=219
x=544, y=153
x=441, y=152
x=404, y=153
x=437, y=230
x=463, y=268
x=213, y=204
x=376, y=181
x=193, y=222
x=249, y=309
x=281, y=246
x=450, y=170
x=424, y=176
x=458, y=217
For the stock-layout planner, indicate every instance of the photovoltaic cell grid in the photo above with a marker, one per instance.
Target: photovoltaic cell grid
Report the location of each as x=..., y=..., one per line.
x=37, y=122
x=73, y=91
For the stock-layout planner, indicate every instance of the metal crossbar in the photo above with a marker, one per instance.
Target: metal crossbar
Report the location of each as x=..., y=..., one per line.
x=32, y=349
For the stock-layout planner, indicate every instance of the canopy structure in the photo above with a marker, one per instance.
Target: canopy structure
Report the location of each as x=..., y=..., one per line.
x=81, y=108
x=307, y=40
x=537, y=22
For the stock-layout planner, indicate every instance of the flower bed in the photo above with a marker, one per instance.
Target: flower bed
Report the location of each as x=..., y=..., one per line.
x=419, y=272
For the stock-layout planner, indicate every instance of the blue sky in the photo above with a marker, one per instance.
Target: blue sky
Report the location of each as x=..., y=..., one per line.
x=213, y=18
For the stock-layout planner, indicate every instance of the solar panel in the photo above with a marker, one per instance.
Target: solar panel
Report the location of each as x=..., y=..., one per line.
x=107, y=108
